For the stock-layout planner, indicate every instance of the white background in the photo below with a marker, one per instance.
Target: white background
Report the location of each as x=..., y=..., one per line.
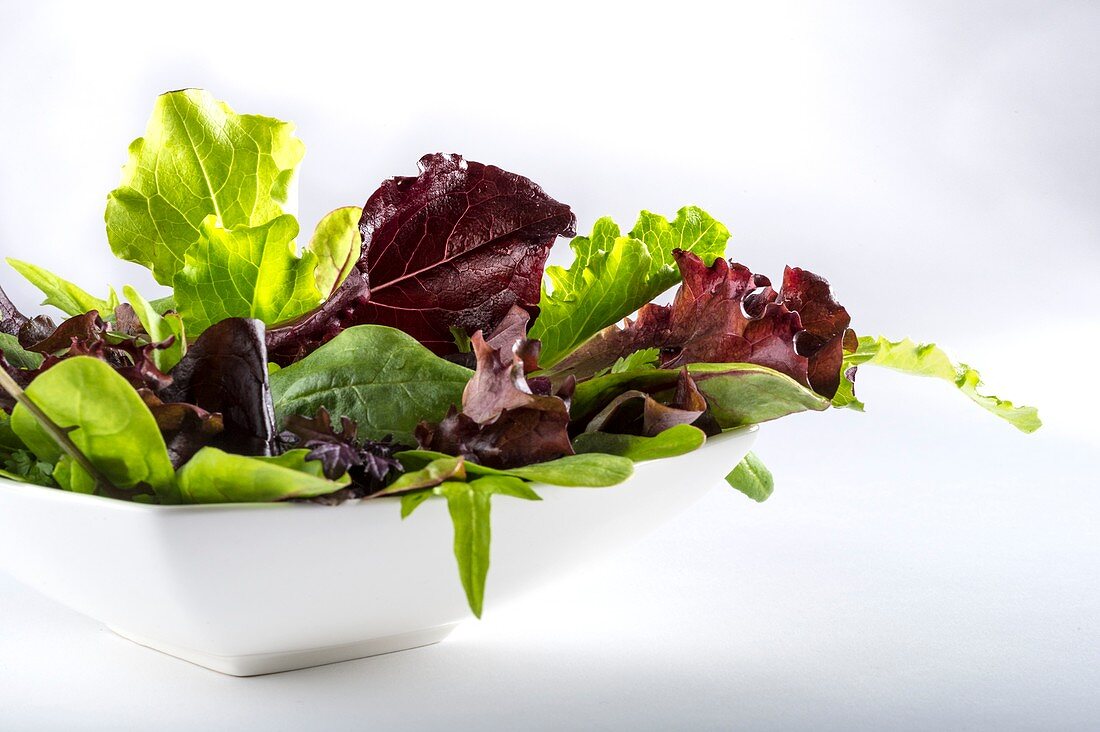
x=920, y=566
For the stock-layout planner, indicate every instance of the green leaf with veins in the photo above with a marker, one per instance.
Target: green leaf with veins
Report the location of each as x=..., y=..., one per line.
x=674, y=441
x=247, y=272
x=738, y=394
x=592, y=470
x=160, y=328
x=62, y=294
x=614, y=275
x=108, y=423
x=927, y=359
x=752, y=478
x=213, y=476
x=337, y=243
x=18, y=356
x=378, y=376
x=198, y=158
x=469, y=506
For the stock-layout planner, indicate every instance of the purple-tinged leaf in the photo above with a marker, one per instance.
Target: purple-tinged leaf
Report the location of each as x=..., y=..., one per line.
x=225, y=370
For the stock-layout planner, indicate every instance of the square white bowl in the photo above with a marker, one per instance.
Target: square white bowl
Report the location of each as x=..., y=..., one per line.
x=249, y=588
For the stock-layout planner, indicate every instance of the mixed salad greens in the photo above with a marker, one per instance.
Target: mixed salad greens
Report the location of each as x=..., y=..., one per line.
x=414, y=347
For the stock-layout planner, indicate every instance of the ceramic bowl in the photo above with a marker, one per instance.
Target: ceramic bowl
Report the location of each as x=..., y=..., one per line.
x=250, y=589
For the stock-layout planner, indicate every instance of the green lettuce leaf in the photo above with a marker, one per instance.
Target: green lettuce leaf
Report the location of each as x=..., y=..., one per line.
x=337, y=243
x=469, y=506
x=108, y=423
x=378, y=376
x=62, y=294
x=198, y=158
x=160, y=328
x=641, y=360
x=24, y=467
x=927, y=359
x=213, y=476
x=678, y=440
x=752, y=478
x=614, y=275
x=591, y=470
x=247, y=272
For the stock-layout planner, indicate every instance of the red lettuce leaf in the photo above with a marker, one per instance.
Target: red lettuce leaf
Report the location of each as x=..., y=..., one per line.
x=225, y=371
x=455, y=247
x=726, y=314
x=636, y=412
x=503, y=423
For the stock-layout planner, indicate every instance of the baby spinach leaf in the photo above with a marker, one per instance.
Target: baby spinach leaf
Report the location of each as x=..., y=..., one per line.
x=927, y=359
x=107, y=422
x=247, y=272
x=591, y=470
x=62, y=294
x=337, y=245
x=159, y=329
x=469, y=506
x=752, y=478
x=198, y=158
x=16, y=355
x=674, y=441
x=379, y=377
x=213, y=476
x=614, y=275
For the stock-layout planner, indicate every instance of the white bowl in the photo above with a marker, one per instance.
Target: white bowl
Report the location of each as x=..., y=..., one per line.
x=251, y=589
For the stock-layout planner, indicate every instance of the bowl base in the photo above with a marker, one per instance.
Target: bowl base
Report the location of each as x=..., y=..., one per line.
x=270, y=663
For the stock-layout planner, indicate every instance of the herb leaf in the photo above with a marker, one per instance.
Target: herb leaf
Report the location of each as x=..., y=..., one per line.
x=198, y=158
x=379, y=377
x=614, y=275
x=752, y=478
x=928, y=360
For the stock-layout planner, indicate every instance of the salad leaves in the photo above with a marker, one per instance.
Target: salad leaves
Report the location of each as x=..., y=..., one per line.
x=614, y=275
x=414, y=348
x=108, y=423
x=379, y=377
x=198, y=158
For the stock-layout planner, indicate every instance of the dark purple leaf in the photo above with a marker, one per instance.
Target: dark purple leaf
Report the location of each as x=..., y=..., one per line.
x=185, y=427
x=371, y=463
x=455, y=247
x=11, y=320
x=225, y=371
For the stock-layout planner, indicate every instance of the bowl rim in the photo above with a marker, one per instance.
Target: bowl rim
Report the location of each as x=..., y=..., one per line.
x=40, y=492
